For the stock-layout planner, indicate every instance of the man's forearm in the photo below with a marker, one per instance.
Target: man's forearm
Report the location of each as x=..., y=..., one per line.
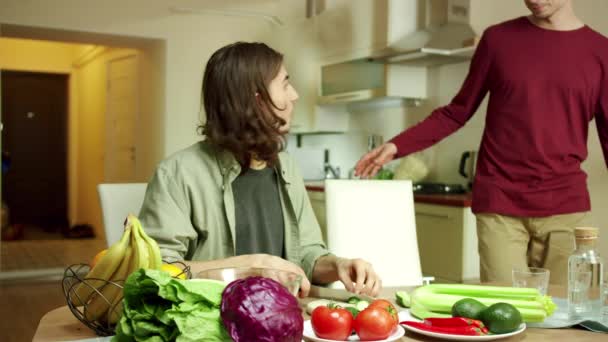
x=325, y=270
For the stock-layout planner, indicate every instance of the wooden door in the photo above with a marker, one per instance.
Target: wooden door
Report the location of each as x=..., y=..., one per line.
x=121, y=120
x=34, y=112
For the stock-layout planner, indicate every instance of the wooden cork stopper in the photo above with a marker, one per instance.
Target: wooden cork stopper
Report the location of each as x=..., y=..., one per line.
x=586, y=232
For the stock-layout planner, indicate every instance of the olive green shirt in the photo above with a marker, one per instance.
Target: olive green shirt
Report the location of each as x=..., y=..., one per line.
x=189, y=208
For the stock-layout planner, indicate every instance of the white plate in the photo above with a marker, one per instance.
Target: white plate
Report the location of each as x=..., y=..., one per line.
x=309, y=334
x=405, y=316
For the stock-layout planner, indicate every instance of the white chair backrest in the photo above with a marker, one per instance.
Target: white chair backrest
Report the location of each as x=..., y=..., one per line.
x=374, y=220
x=118, y=200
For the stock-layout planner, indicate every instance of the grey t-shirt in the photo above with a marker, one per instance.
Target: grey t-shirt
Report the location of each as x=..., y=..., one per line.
x=259, y=217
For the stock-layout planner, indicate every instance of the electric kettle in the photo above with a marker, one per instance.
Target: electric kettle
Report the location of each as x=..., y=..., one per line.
x=468, y=163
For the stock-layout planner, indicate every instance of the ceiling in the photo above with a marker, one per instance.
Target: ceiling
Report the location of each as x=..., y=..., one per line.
x=107, y=15
x=112, y=11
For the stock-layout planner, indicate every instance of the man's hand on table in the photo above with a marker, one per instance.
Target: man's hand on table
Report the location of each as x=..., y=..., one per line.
x=357, y=275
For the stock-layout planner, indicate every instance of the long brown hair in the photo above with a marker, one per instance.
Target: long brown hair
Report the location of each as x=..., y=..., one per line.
x=237, y=103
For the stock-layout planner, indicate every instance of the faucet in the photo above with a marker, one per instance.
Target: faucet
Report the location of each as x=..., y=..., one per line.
x=330, y=171
x=373, y=141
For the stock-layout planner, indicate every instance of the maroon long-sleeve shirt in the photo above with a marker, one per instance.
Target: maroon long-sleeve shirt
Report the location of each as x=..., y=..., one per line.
x=545, y=87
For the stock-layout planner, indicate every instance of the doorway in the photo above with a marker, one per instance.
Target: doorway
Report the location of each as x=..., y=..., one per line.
x=96, y=87
x=34, y=140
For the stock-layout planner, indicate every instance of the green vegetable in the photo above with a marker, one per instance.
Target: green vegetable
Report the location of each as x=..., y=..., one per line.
x=436, y=300
x=361, y=305
x=403, y=299
x=469, y=308
x=157, y=307
x=358, y=303
x=384, y=174
x=353, y=300
x=352, y=310
x=501, y=318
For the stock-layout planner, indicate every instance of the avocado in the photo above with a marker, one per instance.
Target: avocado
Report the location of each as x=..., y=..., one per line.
x=468, y=307
x=501, y=318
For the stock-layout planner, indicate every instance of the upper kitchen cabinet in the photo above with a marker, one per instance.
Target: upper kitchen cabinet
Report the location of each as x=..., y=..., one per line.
x=408, y=32
x=364, y=80
x=351, y=29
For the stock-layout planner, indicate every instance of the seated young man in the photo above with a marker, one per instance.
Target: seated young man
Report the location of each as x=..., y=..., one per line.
x=236, y=199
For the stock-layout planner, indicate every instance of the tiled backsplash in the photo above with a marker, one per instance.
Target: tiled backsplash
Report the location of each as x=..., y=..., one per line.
x=344, y=149
x=381, y=118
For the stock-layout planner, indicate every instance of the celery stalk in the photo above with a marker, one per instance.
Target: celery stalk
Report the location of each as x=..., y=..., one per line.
x=436, y=300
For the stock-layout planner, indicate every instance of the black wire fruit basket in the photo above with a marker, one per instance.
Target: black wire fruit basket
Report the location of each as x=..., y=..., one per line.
x=87, y=310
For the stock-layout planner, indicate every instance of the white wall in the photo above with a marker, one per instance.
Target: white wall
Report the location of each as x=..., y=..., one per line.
x=189, y=40
x=150, y=134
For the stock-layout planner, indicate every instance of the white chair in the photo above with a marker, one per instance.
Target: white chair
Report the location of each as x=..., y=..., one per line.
x=118, y=200
x=374, y=220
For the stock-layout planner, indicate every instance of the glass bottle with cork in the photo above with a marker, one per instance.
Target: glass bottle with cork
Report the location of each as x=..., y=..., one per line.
x=585, y=274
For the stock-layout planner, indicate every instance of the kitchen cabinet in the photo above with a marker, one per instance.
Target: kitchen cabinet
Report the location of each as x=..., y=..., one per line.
x=352, y=29
x=447, y=241
x=362, y=80
x=345, y=26
x=317, y=200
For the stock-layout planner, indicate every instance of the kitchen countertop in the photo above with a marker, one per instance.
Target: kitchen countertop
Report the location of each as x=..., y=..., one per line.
x=315, y=188
x=452, y=200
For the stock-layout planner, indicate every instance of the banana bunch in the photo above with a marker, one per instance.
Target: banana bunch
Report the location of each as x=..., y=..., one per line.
x=99, y=294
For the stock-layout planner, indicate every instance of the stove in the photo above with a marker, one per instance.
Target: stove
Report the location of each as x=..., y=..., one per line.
x=438, y=188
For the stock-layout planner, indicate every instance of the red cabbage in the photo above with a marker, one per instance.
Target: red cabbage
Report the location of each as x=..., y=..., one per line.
x=261, y=309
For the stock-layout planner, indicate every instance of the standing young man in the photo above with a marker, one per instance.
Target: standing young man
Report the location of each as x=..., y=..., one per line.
x=235, y=199
x=547, y=75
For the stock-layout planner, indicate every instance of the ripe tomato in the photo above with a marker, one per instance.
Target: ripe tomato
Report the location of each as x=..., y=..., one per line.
x=388, y=306
x=332, y=323
x=374, y=323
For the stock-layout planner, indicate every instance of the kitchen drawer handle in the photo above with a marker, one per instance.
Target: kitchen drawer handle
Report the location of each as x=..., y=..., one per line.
x=442, y=216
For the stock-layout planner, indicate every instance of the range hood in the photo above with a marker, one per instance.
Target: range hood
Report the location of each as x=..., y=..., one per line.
x=444, y=34
x=419, y=34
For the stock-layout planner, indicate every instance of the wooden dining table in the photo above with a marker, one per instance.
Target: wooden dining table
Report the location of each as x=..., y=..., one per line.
x=61, y=325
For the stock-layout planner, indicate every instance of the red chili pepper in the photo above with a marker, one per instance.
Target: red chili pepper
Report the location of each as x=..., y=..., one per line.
x=454, y=322
x=467, y=330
